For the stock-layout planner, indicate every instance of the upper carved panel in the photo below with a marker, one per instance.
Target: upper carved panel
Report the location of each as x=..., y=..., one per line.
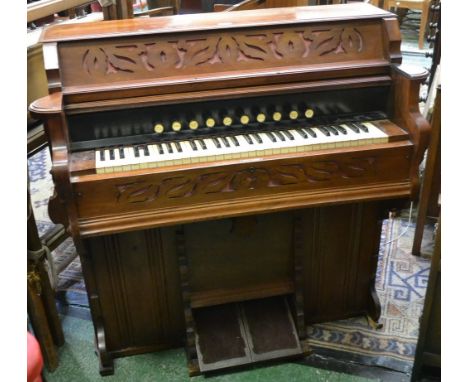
x=223, y=53
x=220, y=50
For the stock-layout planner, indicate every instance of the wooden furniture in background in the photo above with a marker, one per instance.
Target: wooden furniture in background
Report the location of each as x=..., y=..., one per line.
x=160, y=8
x=42, y=311
x=434, y=39
x=427, y=360
x=40, y=9
x=431, y=182
x=261, y=4
x=117, y=9
x=167, y=249
x=422, y=5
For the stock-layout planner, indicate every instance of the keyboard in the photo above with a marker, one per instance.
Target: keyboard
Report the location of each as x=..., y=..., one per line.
x=236, y=146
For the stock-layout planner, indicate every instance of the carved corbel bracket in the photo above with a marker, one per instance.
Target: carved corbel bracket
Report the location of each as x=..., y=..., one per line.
x=407, y=82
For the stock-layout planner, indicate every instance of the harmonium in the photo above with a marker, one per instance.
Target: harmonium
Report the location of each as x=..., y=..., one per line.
x=225, y=176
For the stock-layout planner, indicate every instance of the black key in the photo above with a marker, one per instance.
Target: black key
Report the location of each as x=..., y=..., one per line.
x=236, y=142
x=271, y=136
x=248, y=139
x=288, y=134
x=280, y=136
x=169, y=148
x=146, y=151
x=341, y=129
x=256, y=137
x=160, y=148
x=111, y=154
x=225, y=141
x=202, y=144
x=102, y=155
x=311, y=132
x=324, y=130
x=302, y=133
x=194, y=145
x=216, y=142
x=353, y=127
x=178, y=147
x=136, y=151
x=362, y=127
x=121, y=153
x=333, y=130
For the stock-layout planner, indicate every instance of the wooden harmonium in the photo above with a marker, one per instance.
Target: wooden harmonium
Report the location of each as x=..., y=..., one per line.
x=172, y=121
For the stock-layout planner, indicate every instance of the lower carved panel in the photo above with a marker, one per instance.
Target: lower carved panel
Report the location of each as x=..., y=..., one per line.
x=102, y=202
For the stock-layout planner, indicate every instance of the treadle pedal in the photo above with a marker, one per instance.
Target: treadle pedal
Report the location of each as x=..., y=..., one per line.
x=243, y=333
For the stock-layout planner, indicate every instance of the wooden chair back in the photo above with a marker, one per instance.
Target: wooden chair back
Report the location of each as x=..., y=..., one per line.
x=422, y=5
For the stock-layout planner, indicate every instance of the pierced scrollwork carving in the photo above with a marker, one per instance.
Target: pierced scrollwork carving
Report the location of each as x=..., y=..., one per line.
x=224, y=49
x=245, y=180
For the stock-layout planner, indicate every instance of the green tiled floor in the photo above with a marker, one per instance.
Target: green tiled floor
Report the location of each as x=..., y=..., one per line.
x=79, y=363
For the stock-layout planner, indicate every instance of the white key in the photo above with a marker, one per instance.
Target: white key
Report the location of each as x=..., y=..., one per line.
x=127, y=162
x=187, y=151
x=166, y=158
x=107, y=162
x=229, y=151
x=144, y=160
x=153, y=157
x=117, y=162
x=211, y=150
x=98, y=163
x=269, y=147
x=321, y=142
x=244, y=147
x=234, y=151
x=301, y=142
x=352, y=137
x=177, y=157
x=378, y=136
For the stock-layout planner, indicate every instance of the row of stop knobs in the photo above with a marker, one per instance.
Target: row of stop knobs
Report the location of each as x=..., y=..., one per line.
x=240, y=116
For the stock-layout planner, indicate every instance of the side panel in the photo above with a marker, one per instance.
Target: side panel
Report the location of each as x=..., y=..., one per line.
x=137, y=281
x=340, y=265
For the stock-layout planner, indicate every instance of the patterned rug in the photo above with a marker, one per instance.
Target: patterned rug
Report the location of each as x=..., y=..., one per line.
x=401, y=285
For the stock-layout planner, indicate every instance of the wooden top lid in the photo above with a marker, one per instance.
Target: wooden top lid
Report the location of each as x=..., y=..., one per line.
x=212, y=21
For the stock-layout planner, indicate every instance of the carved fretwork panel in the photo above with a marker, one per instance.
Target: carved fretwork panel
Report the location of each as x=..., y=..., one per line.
x=179, y=189
x=225, y=53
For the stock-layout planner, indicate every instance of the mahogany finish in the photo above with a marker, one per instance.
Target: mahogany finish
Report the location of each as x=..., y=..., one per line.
x=160, y=245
